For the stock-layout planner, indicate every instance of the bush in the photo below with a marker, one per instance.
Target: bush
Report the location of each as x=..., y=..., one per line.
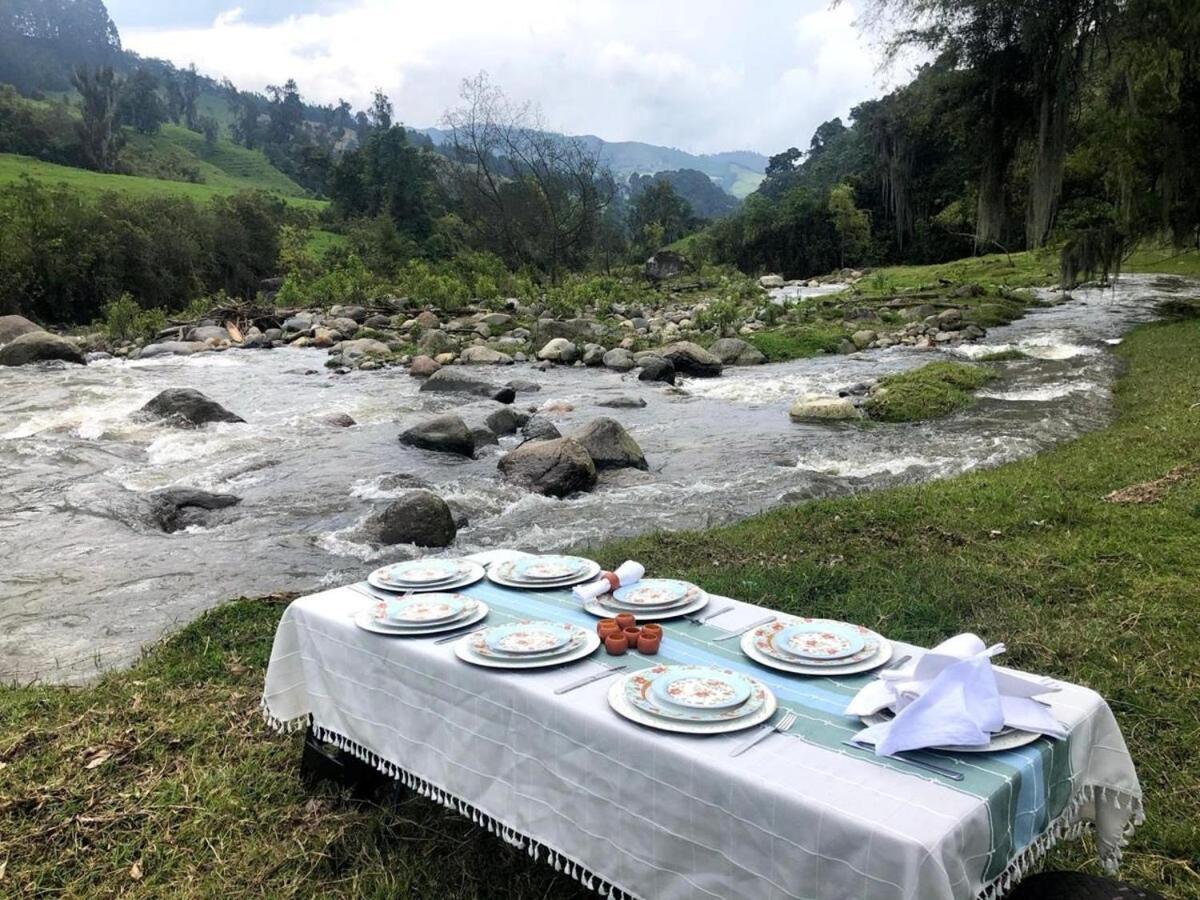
x=124, y=320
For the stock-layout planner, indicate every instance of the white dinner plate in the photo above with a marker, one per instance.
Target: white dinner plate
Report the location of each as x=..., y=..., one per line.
x=622, y=707
x=366, y=621
x=462, y=649
x=501, y=573
x=1010, y=739
x=799, y=668
x=473, y=573
x=596, y=608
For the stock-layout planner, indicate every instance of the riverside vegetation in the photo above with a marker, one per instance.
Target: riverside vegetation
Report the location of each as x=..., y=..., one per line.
x=164, y=778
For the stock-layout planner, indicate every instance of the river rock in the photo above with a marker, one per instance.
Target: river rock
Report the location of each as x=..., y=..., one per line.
x=435, y=341
x=364, y=347
x=815, y=408
x=339, y=420
x=356, y=314
x=506, y=394
x=949, y=319
x=484, y=356
x=610, y=445
x=423, y=366
x=771, y=281
x=174, y=509
x=540, y=428
x=443, y=434
x=620, y=360
x=427, y=320
x=559, y=350
x=666, y=264
x=655, y=368
x=623, y=402
x=863, y=338
x=415, y=517
x=593, y=355
x=12, y=327
x=186, y=408
x=736, y=352
x=556, y=468
x=691, y=359
x=170, y=348
x=457, y=381
x=39, y=346
x=505, y=420
x=301, y=323
x=524, y=386
x=203, y=333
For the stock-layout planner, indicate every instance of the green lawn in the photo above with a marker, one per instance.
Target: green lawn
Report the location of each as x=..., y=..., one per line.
x=162, y=780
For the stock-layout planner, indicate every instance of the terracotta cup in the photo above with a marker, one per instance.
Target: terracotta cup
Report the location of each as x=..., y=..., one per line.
x=631, y=637
x=616, y=644
x=648, y=642
x=605, y=627
x=652, y=628
x=626, y=620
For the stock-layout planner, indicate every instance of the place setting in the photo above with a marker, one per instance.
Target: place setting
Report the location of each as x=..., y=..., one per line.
x=421, y=614
x=809, y=646
x=692, y=699
x=527, y=645
x=543, y=572
x=420, y=575
x=649, y=598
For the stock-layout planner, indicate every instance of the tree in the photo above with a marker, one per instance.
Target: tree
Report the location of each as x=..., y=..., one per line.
x=245, y=128
x=532, y=196
x=141, y=107
x=387, y=175
x=853, y=226
x=189, y=89
x=658, y=216
x=211, y=130
x=286, y=112
x=784, y=162
x=99, y=94
x=381, y=111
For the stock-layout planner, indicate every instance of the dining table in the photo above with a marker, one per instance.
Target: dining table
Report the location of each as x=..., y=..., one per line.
x=638, y=812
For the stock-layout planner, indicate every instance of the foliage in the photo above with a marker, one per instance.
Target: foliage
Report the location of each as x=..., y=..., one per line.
x=388, y=176
x=933, y=390
x=704, y=199
x=799, y=341
x=43, y=41
x=658, y=216
x=124, y=320
x=99, y=137
x=140, y=105
x=853, y=225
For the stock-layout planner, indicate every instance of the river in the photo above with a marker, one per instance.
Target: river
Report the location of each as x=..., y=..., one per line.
x=85, y=584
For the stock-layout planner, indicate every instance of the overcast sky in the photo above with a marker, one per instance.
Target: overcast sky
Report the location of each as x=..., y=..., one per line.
x=699, y=75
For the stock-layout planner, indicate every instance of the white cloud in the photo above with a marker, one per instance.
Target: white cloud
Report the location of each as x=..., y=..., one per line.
x=703, y=75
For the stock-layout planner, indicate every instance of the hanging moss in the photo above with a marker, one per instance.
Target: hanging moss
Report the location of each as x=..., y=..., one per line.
x=1090, y=252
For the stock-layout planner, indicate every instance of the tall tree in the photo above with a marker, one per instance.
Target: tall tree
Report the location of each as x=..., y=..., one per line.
x=141, y=106
x=99, y=136
x=189, y=88
x=381, y=111
x=286, y=112
x=658, y=216
x=853, y=225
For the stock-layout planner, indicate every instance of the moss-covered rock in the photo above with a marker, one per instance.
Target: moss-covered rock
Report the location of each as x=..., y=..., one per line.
x=928, y=392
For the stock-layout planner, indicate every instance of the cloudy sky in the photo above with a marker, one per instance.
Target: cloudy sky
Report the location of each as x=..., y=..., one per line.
x=699, y=75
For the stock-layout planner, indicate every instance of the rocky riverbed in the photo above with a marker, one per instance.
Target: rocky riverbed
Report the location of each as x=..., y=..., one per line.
x=110, y=533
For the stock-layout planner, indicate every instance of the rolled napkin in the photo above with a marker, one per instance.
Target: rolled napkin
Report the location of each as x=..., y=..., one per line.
x=627, y=573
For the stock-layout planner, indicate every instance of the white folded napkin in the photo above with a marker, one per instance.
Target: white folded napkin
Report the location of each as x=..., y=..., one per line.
x=952, y=696
x=627, y=573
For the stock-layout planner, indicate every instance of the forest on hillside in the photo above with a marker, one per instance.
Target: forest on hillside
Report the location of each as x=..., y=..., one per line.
x=1069, y=123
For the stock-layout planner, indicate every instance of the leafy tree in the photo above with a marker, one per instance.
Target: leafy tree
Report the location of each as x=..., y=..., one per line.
x=99, y=94
x=385, y=176
x=245, y=128
x=141, y=107
x=42, y=42
x=189, y=90
x=658, y=216
x=381, y=111
x=286, y=112
x=784, y=162
x=853, y=225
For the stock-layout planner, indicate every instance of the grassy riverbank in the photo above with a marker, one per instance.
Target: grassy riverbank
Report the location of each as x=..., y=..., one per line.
x=162, y=780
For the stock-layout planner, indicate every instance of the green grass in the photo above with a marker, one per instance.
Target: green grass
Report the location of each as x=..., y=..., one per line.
x=934, y=390
x=1164, y=261
x=799, y=341
x=187, y=783
x=1002, y=355
x=14, y=167
x=997, y=270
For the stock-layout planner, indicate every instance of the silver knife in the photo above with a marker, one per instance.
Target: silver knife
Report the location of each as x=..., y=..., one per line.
x=611, y=670
x=929, y=767
x=700, y=620
x=750, y=627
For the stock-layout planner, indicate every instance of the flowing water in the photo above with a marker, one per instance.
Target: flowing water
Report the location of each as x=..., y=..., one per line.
x=85, y=581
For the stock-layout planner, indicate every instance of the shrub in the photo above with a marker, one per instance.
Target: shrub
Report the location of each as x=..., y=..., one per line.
x=124, y=320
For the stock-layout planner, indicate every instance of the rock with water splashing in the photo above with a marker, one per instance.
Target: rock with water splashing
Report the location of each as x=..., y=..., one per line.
x=455, y=380
x=814, y=408
x=186, y=408
x=540, y=428
x=736, y=352
x=655, y=368
x=415, y=517
x=691, y=359
x=12, y=327
x=442, y=434
x=619, y=359
x=40, y=346
x=555, y=468
x=609, y=445
x=174, y=509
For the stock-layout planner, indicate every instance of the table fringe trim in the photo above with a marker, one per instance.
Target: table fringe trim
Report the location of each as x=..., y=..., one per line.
x=536, y=850
x=1070, y=825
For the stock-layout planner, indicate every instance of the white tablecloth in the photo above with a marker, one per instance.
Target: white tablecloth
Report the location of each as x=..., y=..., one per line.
x=633, y=811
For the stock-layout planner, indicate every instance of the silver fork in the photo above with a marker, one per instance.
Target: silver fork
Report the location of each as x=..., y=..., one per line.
x=700, y=619
x=782, y=725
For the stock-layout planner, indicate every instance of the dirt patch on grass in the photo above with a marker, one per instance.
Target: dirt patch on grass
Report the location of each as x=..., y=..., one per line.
x=1153, y=491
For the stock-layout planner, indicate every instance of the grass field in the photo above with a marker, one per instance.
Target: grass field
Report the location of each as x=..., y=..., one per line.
x=162, y=780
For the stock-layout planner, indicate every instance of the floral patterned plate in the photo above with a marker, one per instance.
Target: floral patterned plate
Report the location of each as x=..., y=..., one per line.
x=527, y=639
x=767, y=641
x=656, y=592
x=701, y=687
x=422, y=609
x=421, y=572
x=641, y=692
x=466, y=572
x=820, y=640
x=651, y=614
x=504, y=573
x=471, y=649
x=365, y=619
x=549, y=568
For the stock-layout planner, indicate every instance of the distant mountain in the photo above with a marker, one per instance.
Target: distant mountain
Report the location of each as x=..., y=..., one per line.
x=706, y=199
x=737, y=172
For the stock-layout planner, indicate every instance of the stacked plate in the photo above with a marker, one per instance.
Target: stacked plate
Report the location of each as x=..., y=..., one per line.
x=544, y=571
x=420, y=614
x=527, y=645
x=426, y=575
x=692, y=699
x=816, y=646
x=1004, y=739
x=651, y=599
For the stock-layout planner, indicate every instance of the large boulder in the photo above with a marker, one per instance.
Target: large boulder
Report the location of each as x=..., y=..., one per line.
x=39, y=346
x=12, y=327
x=171, y=348
x=736, y=352
x=610, y=445
x=415, y=517
x=204, y=333
x=559, y=350
x=571, y=329
x=666, y=264
x=655, y=368
x=771, y=281
x=484, y=356
x=815, y=408
x=356, y=314
x=174, y=509
x=423, y=366
x=555, y=468
x=625, y=401
x=436, y=341
x=540, y=428
x=364, y=347
x=443, y=434
x=691, y=359
x=505, y=420
x=186, y=408
x=456, y=381
x=620, y=360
